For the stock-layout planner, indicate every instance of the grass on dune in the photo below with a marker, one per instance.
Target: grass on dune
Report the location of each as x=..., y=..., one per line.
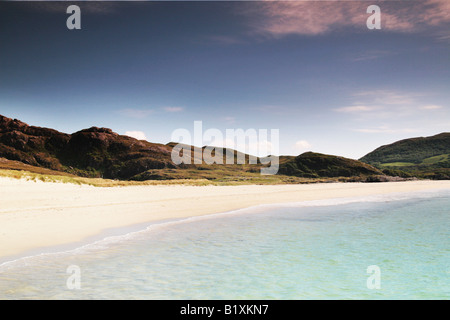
x=221, y=175
x=100, y=182
x=96, y=182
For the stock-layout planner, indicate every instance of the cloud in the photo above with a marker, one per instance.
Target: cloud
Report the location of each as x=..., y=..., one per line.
x=144, y=113
x=386, y=97
x=386, y=129
x=301, y=17
x=91, y=7
x=372, y=55
x=382, y=105
x=431, y=107
x=135, y=113
x=136, y=134
x=261, y=148
x=282, y=18
x=223, y=40
x=302, y=145
x=355, y=109
x=443, y=36
x=173, y=109
x=230, y=119
x=436, y=12
x=382, y=111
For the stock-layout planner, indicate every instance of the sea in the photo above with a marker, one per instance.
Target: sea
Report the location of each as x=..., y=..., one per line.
x=393, y=246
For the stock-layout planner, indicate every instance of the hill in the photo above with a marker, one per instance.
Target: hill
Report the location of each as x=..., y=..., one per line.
x=93, y=152
x=317, y=165
x=426, y=157
x=413, y=150
x=101, y=153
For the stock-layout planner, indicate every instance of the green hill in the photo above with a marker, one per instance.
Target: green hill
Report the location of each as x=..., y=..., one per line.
x=414, y=150
x=317, y=165
x=426, y=157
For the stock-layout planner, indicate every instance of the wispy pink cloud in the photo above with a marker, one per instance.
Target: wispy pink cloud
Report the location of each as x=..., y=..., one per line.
x=224, y=40
x=281, y=18
x=372, y=55
x=431, y=107
x=173, y=109
x=387, y=97
x=356, y=109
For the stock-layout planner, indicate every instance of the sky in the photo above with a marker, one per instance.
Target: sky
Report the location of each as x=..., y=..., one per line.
x=311, y=69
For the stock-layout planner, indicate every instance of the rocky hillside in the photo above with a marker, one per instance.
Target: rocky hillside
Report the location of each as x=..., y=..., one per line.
x=90, y=152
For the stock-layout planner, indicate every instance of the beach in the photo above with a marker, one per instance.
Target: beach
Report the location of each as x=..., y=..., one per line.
x=36, y=215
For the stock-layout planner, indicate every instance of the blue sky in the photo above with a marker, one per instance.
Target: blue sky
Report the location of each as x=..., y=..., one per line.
x=313, y=70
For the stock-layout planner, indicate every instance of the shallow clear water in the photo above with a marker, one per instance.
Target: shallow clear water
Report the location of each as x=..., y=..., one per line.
x=317, y=250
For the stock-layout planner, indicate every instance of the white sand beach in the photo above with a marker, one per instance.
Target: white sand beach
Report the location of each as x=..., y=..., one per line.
x=37, y=214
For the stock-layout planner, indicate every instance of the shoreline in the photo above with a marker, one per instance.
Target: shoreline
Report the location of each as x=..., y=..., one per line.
x=36, y=216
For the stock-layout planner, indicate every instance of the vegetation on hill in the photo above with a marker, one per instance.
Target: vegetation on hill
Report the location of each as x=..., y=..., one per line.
x=424, y=157
x=102, y=153
x=317, y=165
x=410, y=151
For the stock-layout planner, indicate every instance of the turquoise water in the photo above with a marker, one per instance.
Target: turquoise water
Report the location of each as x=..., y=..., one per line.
x=314, y=250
